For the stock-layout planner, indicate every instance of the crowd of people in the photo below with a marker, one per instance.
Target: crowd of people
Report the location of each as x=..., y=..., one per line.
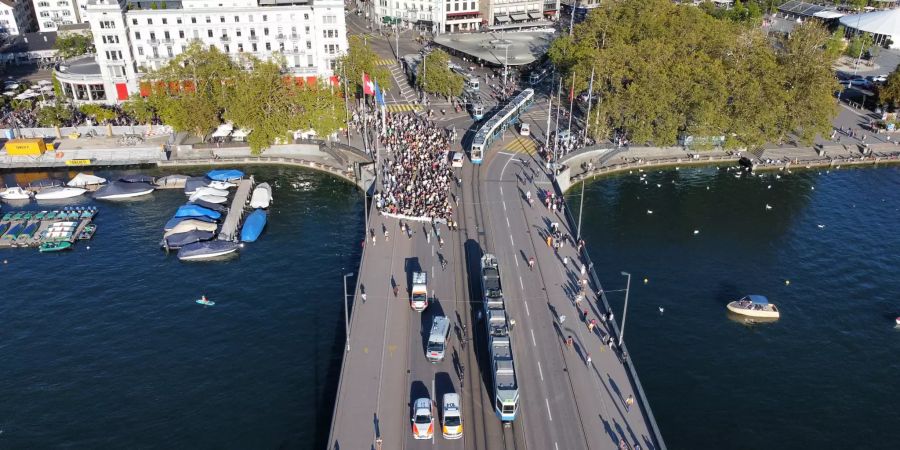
x=28, y=117
x=415, y=171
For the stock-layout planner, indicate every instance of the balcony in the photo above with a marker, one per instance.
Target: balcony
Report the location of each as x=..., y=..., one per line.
x=168, y=41
x=224, y=38
x=295, y=36
x=280, y=37
x=253, y=38
x=154, y=42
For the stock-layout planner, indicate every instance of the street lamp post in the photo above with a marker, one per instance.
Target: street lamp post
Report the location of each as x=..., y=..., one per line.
x=624, y=313
x=580, y=209
x=347, y=311
x=505, y=66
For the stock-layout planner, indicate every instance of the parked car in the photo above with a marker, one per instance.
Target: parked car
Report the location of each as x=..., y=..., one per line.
x=524, y=129
x=422, y=420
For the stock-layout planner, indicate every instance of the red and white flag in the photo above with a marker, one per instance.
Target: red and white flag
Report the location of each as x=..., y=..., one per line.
x=368, y=85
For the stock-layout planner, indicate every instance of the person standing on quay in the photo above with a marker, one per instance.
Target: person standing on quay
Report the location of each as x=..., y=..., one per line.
x=628, y=402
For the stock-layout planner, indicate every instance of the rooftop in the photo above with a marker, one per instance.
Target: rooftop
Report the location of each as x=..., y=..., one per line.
x=83, y=65
x=30, y=42
x=525, y=47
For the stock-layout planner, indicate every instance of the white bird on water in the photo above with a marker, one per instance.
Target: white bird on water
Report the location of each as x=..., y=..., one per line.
x=661, y=310
x=769, y=187
x=812, y=188
x=768, y=206
x=696, y=232
x=658, y=185
x=649, y=211
x=821, y=226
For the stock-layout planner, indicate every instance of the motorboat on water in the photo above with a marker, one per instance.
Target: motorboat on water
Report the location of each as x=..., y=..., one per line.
x=122, y=189
x=138, y=178
x=225, y=175
x=46, y=183
x=208, y=198
x=262, y=196
x=253, y=226
x=84, y=179
x=754, y=306
x=173, y=222
x=206, y=250
x=57, y=193
x=178, y=240
x=190, y=225
x=191, y=210
x=15, y=193
x=55, y=246
x=221, y=185
x=193, y=183
x=212, y=206
x=205, y=301
x=206, y=190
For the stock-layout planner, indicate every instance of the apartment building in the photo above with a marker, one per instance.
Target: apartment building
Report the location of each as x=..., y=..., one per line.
x=51, y=14
x=16, y=17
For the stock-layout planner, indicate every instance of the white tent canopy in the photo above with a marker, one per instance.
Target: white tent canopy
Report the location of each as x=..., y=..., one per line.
x=885, y=23
x=83, y=179
x=223, y=131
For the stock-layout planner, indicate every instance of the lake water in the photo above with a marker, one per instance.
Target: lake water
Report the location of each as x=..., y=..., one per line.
x=106, y=348
x=823, y=376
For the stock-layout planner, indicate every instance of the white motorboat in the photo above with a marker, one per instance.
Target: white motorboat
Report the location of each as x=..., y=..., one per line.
x=756, y=306
x=262, y=196
x=83, y=179
x=120, y=189
x=205, y=190
x=206, y=250
x=221, y=185
x=15, y=193
x=56, y=193
x=217, y=199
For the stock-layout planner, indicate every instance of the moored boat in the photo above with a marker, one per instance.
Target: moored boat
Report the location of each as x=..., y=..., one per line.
x=190, y=210
x=138, y=178
x=88, y=231
x=754, y=306
x=206, y=250
x=190, y=225
x=122, y=189
x=55, y=246
x=221, y=185
x=178, y=240
x=173, y=222
x=213, y=206
x=57, y=193
x=15, y=193
x=83, y=179
x=208, y=198
x=262, y=196
x=206, y=190
x=225, y=174
x=253, y=226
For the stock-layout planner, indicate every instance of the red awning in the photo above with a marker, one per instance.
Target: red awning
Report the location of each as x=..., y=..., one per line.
x=460, y=14
x=550, y=11
x=122, y=91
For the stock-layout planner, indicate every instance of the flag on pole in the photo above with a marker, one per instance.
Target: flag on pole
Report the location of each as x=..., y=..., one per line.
x=368, y=85
x=379, y=95
x=572, y=89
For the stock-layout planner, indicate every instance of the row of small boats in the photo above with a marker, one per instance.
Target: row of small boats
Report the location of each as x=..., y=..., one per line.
x=128, y=186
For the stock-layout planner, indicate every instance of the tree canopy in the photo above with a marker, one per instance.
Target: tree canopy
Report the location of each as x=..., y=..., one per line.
x=435, y=76
x=664, y=70
x=55, y=115
x=74, y=44
x=889, y=92
x=199, y=89
x=98, y=113
x=360, y=59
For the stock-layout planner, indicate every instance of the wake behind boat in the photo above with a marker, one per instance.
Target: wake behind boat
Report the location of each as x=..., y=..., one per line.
x=206, y=250
x=756, y=306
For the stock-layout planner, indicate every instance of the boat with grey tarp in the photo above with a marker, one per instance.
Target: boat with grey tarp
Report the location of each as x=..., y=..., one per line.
x=178, y=240
x=206, y=250
x=122, y=189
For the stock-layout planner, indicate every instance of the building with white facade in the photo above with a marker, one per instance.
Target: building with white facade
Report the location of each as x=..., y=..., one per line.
x=16, y=17
x=133, y=38
x=517, y=14
x=53, y=13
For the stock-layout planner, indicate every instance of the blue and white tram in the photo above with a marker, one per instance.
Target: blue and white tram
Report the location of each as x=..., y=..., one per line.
x=494, y=127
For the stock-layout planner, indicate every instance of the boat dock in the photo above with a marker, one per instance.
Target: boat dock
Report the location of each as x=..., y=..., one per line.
x=44, y=220
x=232, y=221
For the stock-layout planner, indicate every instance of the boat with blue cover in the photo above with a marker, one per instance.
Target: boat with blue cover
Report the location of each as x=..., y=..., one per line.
x=215, y=207
x=28, y=231
x=193, y=210
x=253, y=226
x=206, y=250
x=225, y=174
x=13, y=232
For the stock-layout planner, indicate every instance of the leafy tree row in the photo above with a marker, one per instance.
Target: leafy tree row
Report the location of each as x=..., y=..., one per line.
x=663, y=70
x=74, y=44
x=202, y=87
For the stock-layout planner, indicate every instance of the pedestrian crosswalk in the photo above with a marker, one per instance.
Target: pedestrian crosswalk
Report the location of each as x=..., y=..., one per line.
x=521, y=144
x=403, y=107
x=385, y=62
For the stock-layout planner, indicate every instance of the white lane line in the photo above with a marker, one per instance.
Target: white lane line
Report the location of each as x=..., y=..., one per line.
x=547, y=402
x=526, y=308
x=434, y=393
x=522, y=285
x=533, y=342
x=555, y=445
x=517, y=265
x=501, y=191
x=540, y=371
x=504, y=206
x=508, y=226
x=511, y=241
x=507, y=153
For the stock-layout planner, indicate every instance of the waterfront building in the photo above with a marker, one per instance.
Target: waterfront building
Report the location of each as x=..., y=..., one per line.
x=16, y=17
x=519, y=14
x=132, y=38
x=51, y=14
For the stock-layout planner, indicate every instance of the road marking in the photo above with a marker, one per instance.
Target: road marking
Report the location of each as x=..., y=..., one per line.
x=526, y=307
x=547, y=402
x=432, y=406
x=511, y=241
x=533, y=342
x=506, y=153
x=540, y=371
x=521, y=285
x=504, y=206
x=555, y=445
x=501, y=191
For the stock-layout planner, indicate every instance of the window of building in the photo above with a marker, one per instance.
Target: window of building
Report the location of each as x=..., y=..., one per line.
x=222, y=19
x=253, y=45
x=209, y=33
x=240, y=47
x=165, y=21
x=238, y=32
x=149, y=21
x=181, y=34
x=227, y=49
x=265, y=31
x=268, y=46
x=265, y=18
x=152, y=36
x=309, y=61
x=253, y=32
x=107, y=24
x=45, y=14
x=208, y=19
x=281, y=46
x=305, y=16
x=308, y=45
x=473, y=5
x=178, y=20
x=237, y=19
x=66, y=12
x=169, y=52
x=133, y=22
x=140, y=51
x=43, y=4
x=155, y=52
x=166, y=35
x=193, y=20
x=307, y=29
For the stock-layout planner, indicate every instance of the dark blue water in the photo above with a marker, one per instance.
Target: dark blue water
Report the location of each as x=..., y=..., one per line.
x=106, y=348
x=823, y=376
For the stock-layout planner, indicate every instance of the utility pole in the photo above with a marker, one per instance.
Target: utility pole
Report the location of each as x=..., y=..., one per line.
x=346, y=101
x=587, y=118
x=556, y=140
x=580, y=209
x=572, y=18
x=571, y=109
x=505, y=66
x=347, y=311
x=627, y=288
x=549, y=116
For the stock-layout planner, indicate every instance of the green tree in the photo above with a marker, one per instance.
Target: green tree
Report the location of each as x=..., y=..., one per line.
x=889, y=92
x=190, y=92
x=74, y=44
x=835, y=45
x=54, y=116
x=435, y=76
x=859, y=43
x=99, y=114
x=360, y=59
x=57, y=88
x=139, y=108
